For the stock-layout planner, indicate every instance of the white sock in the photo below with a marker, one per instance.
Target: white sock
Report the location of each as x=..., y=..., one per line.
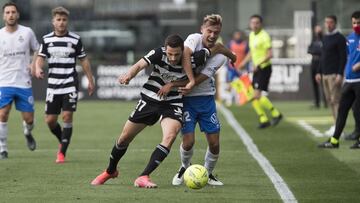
x=3, y=136
x=27, y=128
x=210, y=160
x=186, y=156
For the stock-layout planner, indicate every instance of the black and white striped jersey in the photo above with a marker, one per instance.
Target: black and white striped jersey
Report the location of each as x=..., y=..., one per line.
x=61, y=53
x=163, y=72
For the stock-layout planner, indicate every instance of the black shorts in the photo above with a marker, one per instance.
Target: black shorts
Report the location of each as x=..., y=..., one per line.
x=149, y=112
x=261, y=78
x=56, y=103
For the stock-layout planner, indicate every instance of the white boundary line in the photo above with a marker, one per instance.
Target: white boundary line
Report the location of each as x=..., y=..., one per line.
x=279, y=184
x=310, y=128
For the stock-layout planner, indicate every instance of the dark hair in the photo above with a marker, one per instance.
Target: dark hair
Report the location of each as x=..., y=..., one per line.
x=174, y=41
x=10, y=4
x=332, y=17
x=258, y=17
x=356, y=15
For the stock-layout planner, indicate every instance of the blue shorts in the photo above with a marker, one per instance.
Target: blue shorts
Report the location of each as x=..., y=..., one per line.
x=202, y=110
x=231, y=74
x=23, y=97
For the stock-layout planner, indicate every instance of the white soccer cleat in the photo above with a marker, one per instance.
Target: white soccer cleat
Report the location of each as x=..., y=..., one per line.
x=178, y=179
x=213, y=181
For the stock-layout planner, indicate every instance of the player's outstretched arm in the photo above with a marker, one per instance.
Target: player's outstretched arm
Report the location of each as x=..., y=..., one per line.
x=85, y=64
x=186, y=61
x=244, y=61
x=39, y=64
x=132, y=72
x=221, y=49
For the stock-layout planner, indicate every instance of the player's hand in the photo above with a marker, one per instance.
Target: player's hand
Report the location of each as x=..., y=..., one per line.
x=356, y=67
x=39, y=73
x=338, y=79
x=124, y=79
x=318, y=78
x=185, y=90
x=164, y=90
x=91, y=88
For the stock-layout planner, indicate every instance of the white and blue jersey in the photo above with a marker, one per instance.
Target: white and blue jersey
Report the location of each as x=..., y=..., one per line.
x=353, y=51
x=199, y=104
x=15, y=78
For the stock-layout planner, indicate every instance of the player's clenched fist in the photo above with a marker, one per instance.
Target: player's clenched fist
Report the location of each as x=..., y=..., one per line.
x=124, y=79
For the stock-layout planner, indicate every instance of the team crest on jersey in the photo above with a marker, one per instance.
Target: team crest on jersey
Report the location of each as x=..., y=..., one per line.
x=21, y=39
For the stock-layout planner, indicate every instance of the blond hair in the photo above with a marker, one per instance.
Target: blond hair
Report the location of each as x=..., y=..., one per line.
x=213, y=19
x=60, y=11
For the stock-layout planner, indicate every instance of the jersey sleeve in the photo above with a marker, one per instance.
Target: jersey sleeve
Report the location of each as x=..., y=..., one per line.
x=43, y=52
x=267, y=41
x=198, y=58
x=80, y=51
x=192, y=41
x=34, y=44
x=213, y=64
x=154, y=56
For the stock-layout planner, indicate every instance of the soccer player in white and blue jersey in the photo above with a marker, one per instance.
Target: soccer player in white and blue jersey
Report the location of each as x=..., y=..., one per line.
x=156, y=103
x=199, y=104
x=17, y=42
x=61, y=48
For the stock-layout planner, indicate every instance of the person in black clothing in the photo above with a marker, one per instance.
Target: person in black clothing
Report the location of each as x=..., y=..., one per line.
x=315, y=51
x=332, y=63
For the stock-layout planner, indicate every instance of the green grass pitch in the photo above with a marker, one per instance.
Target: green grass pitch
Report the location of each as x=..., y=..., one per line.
x=313, y=175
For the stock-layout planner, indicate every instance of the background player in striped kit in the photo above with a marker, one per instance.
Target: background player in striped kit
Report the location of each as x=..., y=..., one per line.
x=61, y=48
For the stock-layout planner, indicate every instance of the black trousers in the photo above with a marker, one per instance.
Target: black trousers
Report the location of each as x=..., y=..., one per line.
x=317, y=89
x=350, y=97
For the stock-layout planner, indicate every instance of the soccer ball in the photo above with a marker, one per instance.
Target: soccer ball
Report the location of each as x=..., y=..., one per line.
x=196, y=176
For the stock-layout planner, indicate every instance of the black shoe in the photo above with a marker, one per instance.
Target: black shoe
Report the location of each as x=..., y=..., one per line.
x=356, y=145
x=352, y=136
x=328, y=145
x=264, y=125
x=30, y=142
x=3, y=155
x=276, y=120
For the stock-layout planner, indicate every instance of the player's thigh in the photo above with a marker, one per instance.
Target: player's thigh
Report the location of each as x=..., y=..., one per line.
x=6, y=97
x=170, y=128
x=53, y=104
x=208, y=119
x=261, y=79
x=145, y=112
x=189, y=118
x=129, y=131
x=24, y=100
x=69, y=102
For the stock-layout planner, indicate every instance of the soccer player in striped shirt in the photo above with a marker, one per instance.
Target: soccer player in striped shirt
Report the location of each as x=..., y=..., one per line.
x=61, y=48
x=158, y=101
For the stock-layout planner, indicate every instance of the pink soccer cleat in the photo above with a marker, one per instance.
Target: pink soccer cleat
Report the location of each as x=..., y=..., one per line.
x=144, y=182
x=60, y=159
x=103, y=177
